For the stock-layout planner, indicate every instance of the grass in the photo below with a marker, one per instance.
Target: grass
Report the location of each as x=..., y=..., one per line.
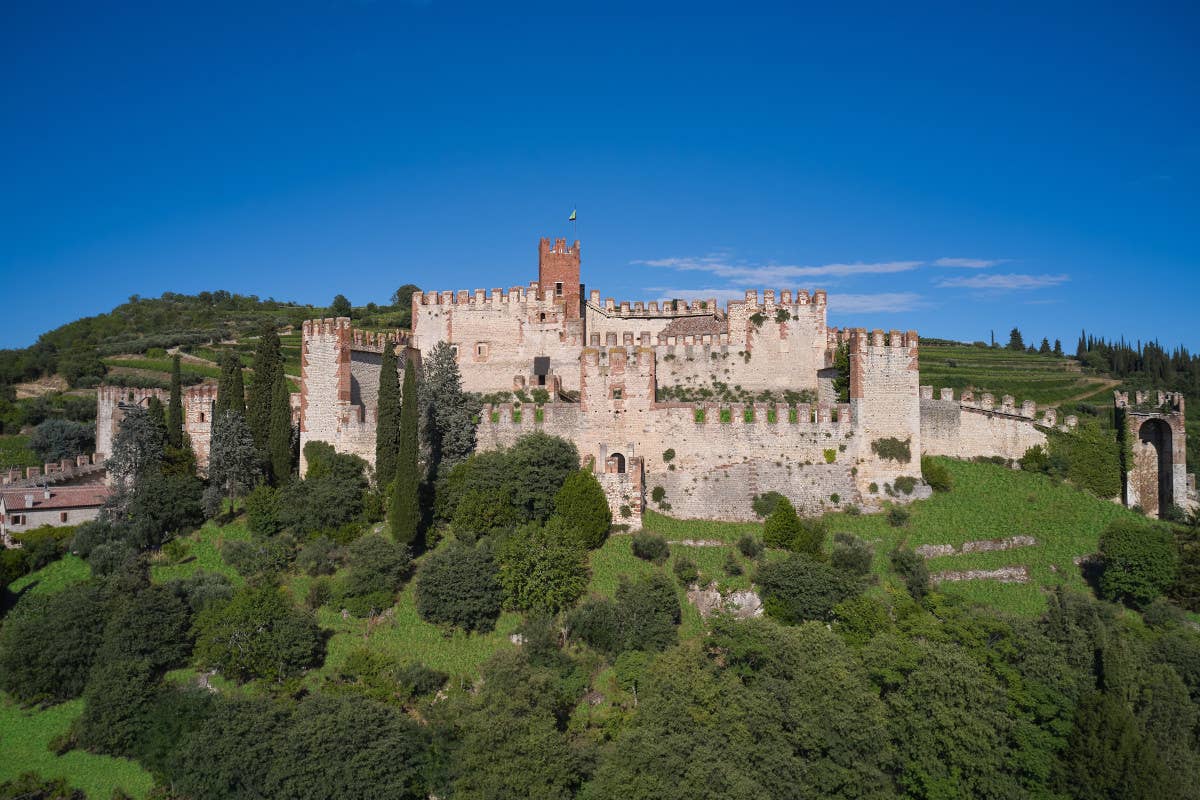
x=204, y=553
x=992, y=502
x=52, y=578
x=25, y=736
x=15, y=452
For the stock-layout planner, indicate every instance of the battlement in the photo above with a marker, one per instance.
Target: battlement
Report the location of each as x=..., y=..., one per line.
x=784, y=299
x=558, y=248
x=860, y=341
x=517, y=295
x=329, y=326
x=1160, y=401
x=828, y=417
x=619, y=357
x=375, y=342
x=652, y=309
x=986, y=403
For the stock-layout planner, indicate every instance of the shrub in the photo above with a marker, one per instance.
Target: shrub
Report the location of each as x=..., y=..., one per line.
x=860, y=618
x=459, y=586
x=905, y=484
x=731, y=565
x=657, y=494
x=810, y=538
x=800, y=588
x=319, y=593
x=764, y=504
x=749, y=546
x=913, y=569
x=258, y=634
x=936, y=474
x=485, y=512
x=892, y=449
x=851, y=554
x=897, y=516
x=686, y=571
x=542, y=569
x=262, y=511
x=650, y=547
x=317, y=557
x=782, y=527
x=835, y=498
x=1138, y=562
x=668, y=455
x=873, y=488
x=583, y=509
x=830, y=455
x=378, y=566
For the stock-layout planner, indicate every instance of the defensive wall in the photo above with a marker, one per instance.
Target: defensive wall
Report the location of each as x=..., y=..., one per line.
x=1154, y=426
x=970, y=426
x=112, y=403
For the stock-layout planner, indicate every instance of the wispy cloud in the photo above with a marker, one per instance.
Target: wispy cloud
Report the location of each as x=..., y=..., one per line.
x=759, y=274
x=881, y=302
x=969, y=263
x=720, y=295
x=1004, y=283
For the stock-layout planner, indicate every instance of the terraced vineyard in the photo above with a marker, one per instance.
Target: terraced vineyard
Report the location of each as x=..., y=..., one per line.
x=1047, y=380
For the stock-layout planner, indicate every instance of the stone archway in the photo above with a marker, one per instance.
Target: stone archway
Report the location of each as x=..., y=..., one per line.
x=1151, y=475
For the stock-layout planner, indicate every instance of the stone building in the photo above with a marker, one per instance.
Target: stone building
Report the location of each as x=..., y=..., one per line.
x=113, y=402
x=32, y=507
x=1154, y=428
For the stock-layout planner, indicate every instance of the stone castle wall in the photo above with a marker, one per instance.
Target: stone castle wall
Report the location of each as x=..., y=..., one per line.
x=970, y=427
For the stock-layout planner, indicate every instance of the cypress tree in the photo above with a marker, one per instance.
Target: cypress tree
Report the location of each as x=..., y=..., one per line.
x=231, y=391
x=157, y=415
x=404, y=514
x=175, y=406
x=268, y=363
x=1058, y=351
x=279, y=439
x=387, y=424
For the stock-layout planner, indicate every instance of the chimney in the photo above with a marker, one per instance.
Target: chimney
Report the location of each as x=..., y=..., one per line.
x=29, y=501
x=46, y=494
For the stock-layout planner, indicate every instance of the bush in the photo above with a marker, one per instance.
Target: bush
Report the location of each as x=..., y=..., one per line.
x=764, y=504
x=1091, y=457
x=650, y=547
x=936, y=474
x=657, y=494
x=459, y=585
x=378, y=566
x=801, y=588
x=259, y=558
x=731, y=566
x=749, y=546
x=892, y=449
x=117, y=701
x=485, y=512
x=319, y=593
x=642, y=616
x=542, y=569
x=810, y=538
x=782, y=527
x=668, y=455
x=685, y=570
x=258, y=634
x=897, y=516
x=1138, y=562
x=262, y=511
x=318, y=557
x=582, y=506
x=913, y=569
x=905, y=484
x=851, y=554
x=58, y=438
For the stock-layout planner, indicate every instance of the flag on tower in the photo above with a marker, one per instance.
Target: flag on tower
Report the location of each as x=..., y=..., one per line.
x=572, y=217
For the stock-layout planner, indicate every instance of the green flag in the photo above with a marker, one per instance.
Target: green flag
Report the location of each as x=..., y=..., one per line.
x=572, y=217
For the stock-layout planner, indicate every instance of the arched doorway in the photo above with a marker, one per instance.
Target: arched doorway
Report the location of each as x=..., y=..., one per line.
x=1152, y=459
x=619, y=460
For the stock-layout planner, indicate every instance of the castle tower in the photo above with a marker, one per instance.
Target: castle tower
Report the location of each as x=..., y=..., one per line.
x=1153, y=426
x=558, y=272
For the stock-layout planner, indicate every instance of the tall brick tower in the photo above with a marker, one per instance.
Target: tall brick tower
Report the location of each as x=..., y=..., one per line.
x=558, y=271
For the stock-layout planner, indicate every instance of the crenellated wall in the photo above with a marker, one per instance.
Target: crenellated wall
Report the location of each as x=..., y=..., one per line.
x=970, y=426
x=1154, y=426
x=884, y=381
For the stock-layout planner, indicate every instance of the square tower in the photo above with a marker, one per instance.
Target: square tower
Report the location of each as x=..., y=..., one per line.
x=558, y=272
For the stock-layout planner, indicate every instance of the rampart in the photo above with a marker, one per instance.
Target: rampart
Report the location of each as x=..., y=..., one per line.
x=978, y=426
x=112, y=402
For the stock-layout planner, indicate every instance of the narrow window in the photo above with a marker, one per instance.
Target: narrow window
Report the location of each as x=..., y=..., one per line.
x=62, y=516
x=202, y=416
x=617, y=394
x=558, y=288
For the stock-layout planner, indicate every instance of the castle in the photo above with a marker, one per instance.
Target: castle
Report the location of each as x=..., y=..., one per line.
x=687, y=405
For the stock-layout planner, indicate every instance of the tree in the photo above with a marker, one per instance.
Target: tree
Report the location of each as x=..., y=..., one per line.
x=583, y=508
x=643, y=615
x=448, y=427
x=1058, y=349
x=378, y=568
x=782, y=527
x=340, y=307
x=403, y=296
x=175, y=406
x=330, y=496
x=258, y=634
x=232, y=460
x=116, y=703
x=160, y=505
x=137, y=447
x=1015, y=342
x=841, y=380
x=459, y=585
x=542, y=569
x=268, y=361
x=1108, y=756
x=1044, y=349
x=800, y=588
x=540, y=463
x=231, y=391
x=151, y=628
x=404, y=513
x=280, y=436
x=387, y=421
x=47, y=652
x=58, y=438
x=1138, y=561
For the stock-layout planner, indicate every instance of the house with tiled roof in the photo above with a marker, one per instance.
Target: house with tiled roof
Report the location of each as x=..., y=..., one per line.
x=32, y=507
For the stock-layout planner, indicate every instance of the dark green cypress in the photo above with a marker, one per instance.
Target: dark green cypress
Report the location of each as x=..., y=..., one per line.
x=387, y=424
x=175, y=406
x=231, y=392
x=157, y=415
x=280, y=437
x=268, y=364
x=404, y=514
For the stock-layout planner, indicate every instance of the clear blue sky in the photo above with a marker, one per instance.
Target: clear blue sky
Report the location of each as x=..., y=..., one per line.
x=949, y=168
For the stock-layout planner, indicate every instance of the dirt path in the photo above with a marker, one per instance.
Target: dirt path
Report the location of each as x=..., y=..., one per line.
x=1103, y=383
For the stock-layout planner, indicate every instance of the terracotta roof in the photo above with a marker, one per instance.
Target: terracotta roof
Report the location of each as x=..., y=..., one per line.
x=60, y=497
x=696, y=326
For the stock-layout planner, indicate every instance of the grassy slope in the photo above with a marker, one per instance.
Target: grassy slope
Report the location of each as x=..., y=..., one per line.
x=15, y=452
x=25, y=736
x=1046, y=380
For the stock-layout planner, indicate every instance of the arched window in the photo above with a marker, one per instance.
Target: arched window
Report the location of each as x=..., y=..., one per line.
x=620, y=461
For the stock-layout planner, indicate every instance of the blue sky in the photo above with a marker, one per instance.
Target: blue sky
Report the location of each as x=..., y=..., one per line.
x=953, y=168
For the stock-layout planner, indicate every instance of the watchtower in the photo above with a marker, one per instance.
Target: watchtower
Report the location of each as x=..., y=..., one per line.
x=1153, y=424
x=558, y=273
